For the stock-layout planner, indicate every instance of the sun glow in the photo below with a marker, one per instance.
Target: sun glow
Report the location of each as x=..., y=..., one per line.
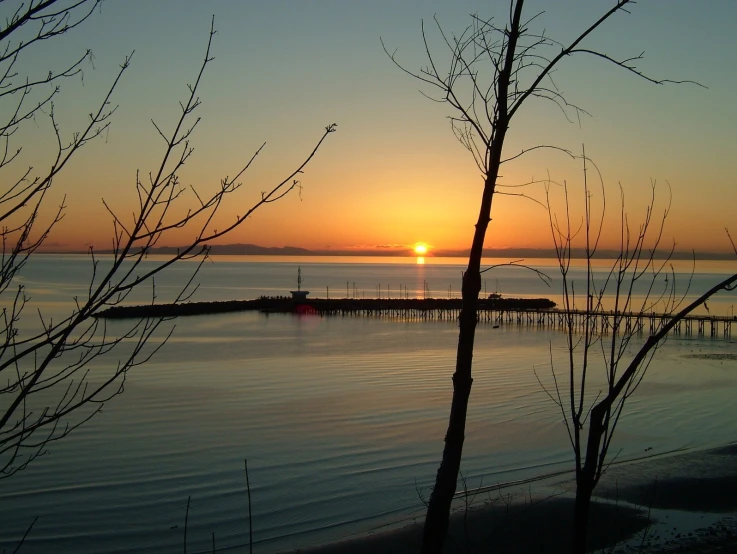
x=421, y=248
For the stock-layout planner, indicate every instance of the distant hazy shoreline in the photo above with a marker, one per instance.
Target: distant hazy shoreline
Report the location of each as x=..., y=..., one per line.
x=255, y=250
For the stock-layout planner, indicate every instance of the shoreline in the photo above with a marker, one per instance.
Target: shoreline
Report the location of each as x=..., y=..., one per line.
x=252, y=250
x=677, y=502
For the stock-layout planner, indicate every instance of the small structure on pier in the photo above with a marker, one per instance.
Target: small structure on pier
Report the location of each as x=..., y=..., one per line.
x=299, y=294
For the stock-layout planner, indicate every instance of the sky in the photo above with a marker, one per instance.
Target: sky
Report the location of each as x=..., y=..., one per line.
x=393, y=174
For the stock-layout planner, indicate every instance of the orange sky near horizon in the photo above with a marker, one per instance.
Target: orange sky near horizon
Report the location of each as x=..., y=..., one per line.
x=394, y=174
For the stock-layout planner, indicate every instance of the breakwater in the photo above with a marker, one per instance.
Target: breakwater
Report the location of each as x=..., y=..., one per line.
x=433, y=308
x=530, y=312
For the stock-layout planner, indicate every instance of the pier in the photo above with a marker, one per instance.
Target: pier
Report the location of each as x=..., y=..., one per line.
x=497, y=313
x=604, y=322
x=527, y=312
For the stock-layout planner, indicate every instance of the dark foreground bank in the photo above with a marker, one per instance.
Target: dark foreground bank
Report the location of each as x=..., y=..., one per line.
x=540, y=526
x=683, y=503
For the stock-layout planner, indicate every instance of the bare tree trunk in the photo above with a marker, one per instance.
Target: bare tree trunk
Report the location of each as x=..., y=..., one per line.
x=484, y=103
x=600, y=424
x=586, y=479
x=581, y=516
x=438, y=509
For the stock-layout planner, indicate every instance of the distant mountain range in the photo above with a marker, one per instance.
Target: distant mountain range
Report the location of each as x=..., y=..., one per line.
x=256, y=250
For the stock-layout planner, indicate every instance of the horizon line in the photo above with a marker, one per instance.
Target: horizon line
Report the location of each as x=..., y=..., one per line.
x=547, y=253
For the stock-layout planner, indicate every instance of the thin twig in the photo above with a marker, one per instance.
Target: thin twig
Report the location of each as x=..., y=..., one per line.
x=186, y=523
x=250, y=521
x=23, y=539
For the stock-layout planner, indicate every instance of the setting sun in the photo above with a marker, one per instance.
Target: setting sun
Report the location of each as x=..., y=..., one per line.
x=420, y=248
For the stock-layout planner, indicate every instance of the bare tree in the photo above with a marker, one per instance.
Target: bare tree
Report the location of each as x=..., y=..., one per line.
x=49, y=381
x=490, y=72
x=604, y=318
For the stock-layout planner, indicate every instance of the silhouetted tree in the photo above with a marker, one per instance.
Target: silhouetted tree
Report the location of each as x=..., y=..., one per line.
x=606, y=313
x=491, y=72
x=49, y=384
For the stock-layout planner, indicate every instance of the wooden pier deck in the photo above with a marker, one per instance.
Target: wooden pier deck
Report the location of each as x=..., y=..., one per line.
x=492, y=313
x=604, y=322
x=528, y=312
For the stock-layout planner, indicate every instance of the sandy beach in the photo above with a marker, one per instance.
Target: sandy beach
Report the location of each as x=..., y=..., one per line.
x=683, y=502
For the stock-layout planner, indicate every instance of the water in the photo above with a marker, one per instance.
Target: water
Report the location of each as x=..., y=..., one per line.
x=341, y=419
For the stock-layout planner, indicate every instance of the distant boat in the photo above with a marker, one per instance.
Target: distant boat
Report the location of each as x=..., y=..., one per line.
x=496, y=295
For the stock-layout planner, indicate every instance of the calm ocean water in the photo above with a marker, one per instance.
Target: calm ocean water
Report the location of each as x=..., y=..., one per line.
x=341, y=419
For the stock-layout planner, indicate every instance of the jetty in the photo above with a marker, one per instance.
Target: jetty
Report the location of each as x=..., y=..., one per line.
x=496, y=311
x=409, y=308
